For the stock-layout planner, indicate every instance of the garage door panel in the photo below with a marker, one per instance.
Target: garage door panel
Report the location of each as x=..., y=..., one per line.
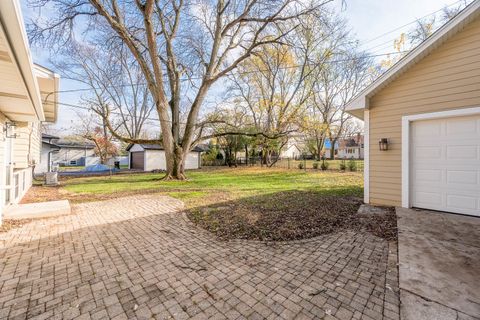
x=462, y=176
x=430, y=129
x=461, y=202
x=445, y=164
x=138, y=160
x=469, y=152
x=428, y=152
x=462, y=126
x=428, y=175
x=428, y=198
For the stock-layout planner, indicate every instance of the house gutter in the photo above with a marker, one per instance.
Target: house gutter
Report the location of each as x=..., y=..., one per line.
x=12, y=26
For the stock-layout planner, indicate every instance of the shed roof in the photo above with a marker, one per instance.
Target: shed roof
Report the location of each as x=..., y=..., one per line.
x=157, y=147
x=49, y=136
x=449, y=29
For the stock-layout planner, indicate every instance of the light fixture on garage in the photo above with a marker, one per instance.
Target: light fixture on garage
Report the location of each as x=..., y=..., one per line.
x=9, y=130
x=383, y=144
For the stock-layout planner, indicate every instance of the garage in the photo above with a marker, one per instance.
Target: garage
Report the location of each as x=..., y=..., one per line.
x=422, y=123
x=149, y=157
x=445, y=164
x=137, y=160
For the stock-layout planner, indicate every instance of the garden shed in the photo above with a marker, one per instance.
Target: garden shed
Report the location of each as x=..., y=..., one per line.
x=149, y=157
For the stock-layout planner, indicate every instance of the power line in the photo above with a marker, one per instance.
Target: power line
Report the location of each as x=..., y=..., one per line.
x=296, y=66
x=241, y=73
x=407, y=24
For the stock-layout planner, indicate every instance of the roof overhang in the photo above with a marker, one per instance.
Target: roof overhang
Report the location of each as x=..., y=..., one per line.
x=48, y=83
x=23, y=87
x=362, y=101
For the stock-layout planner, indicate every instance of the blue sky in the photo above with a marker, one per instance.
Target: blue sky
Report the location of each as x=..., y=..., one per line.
x=368, y=19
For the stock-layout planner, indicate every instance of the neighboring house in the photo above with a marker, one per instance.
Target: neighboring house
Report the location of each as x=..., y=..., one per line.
x=27, y=98
x=73, y=153
x=296, y=148
x=351, y=148
x=148, y=157
x=56, y=151
x=48, y=151
x=427, y=108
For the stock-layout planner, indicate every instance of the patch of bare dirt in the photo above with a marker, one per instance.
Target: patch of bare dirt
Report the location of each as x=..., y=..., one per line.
x=289, y=216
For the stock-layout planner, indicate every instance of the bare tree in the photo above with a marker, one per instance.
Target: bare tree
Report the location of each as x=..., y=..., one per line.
x=354, y=75
x=114, y=82
x=275, y=84
x=171, y=41
x=88, y=128
x=426, y=26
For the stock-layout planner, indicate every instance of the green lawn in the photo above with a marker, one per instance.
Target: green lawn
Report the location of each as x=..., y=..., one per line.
x=236, y=183
x=243, y=203
x=238, y=203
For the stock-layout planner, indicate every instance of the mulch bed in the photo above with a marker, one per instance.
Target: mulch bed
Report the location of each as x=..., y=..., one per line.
x=290, y=216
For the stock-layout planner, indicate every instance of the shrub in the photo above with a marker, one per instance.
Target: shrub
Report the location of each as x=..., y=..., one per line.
x=300, y=165
x=315, y=165
x=324, y=165
x=352, y=165
x=343, y=166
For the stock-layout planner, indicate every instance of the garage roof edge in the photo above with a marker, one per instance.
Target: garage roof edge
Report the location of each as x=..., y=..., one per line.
x=445, y=32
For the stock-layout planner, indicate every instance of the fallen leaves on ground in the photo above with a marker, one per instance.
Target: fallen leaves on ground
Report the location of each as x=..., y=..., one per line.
x=289, y=215
x=9, y=224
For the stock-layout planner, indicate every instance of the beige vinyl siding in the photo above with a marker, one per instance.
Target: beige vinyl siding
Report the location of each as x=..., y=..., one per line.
x=27, y=145
x=448, y=78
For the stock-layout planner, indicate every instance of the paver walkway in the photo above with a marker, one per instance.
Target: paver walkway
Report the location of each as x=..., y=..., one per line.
x=139, y=257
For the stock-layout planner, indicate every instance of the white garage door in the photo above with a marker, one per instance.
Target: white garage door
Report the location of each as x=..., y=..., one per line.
x=445, y=164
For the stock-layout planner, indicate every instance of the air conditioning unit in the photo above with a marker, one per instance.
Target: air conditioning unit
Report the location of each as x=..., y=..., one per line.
x=51, y=178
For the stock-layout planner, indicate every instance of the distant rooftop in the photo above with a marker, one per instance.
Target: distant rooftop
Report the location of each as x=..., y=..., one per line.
x=49, y=136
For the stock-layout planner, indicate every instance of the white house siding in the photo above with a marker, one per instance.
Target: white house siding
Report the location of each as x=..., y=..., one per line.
x=27, y=144
x=68, y=154
x=24, y=149
x=355, y=152
x=42, y=166
x=155, y=160
x=192, y=161
x=2, y=165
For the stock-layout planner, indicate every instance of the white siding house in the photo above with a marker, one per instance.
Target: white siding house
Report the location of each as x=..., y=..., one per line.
x=27, y=98
x=149, y=157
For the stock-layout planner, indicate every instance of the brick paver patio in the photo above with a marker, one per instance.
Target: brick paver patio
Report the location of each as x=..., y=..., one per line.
x=139, y=257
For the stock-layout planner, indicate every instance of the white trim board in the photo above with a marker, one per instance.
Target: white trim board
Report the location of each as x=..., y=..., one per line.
x=406, y=142
x=366, y=157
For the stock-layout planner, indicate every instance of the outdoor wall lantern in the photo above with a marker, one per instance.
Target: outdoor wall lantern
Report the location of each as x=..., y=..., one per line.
x=9, y=130
x=383, y=144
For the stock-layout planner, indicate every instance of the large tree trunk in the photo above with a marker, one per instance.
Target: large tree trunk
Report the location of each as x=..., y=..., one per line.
x=175, y=165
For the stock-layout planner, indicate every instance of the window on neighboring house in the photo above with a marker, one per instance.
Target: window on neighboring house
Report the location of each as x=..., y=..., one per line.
x=73, y=162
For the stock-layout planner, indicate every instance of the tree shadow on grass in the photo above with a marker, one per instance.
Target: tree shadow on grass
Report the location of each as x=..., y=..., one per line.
x=289, y=215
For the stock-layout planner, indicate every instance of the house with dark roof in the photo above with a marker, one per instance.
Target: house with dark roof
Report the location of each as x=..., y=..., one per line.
x=57, y=151
x=149, y=157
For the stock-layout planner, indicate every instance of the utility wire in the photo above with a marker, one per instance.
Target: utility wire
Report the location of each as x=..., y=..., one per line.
x=241, y=73
x=407, y=24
